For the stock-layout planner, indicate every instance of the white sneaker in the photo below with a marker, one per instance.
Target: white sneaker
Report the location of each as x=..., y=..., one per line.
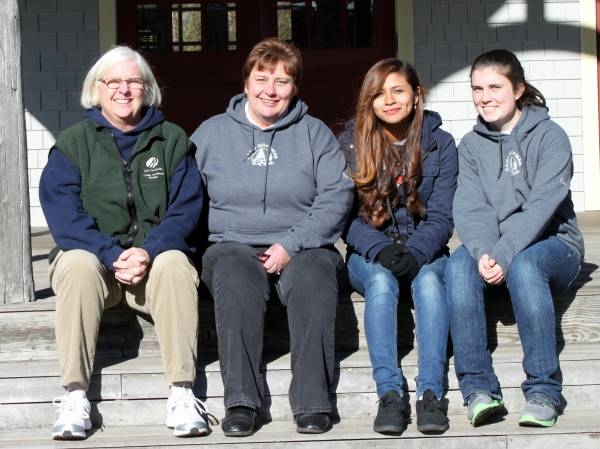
x=184, y=413
x=73, y=416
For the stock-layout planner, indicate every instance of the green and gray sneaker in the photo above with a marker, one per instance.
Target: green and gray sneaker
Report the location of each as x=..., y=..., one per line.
x=538, y=412
x=482, y=406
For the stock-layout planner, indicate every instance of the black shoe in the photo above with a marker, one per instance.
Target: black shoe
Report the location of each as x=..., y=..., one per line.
x=239, y=422
x=312, y=422
x=391, y=415
x=431, y=414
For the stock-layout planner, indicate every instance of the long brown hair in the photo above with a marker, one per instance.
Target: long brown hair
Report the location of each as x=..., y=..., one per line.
x=377, y=161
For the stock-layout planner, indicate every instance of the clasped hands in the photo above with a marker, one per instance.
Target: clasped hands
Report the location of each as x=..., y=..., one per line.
x=399, y=260
x=276, y=259
x=131, y=266
x=490, y=271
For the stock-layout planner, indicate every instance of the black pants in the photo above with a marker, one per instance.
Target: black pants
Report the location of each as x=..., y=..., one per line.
x=308, y=287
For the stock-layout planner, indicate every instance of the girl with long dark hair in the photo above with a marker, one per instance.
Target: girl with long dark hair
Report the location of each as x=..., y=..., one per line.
x=404, y=167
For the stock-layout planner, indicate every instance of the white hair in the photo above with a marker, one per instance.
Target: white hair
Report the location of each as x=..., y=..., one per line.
x=90, y=96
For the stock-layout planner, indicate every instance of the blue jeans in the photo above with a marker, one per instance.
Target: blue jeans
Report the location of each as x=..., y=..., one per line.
x=381, y=291
x=547, y=267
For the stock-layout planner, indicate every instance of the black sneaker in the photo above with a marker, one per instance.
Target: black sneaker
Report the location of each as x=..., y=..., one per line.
x=431, y=414
x=391, y=415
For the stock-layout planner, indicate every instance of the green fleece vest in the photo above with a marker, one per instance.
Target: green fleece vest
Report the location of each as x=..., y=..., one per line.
x=125, y=198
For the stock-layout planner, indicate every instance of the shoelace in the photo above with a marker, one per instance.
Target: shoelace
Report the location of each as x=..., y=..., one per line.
x=67, y=404
x=188, y=400
x=432, y=404
x=391, y=406
x=538, y=399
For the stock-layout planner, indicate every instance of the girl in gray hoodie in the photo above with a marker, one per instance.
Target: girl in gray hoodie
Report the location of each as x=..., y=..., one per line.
x=514, y=215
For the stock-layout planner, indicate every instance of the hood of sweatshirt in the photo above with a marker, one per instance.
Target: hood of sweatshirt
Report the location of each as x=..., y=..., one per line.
x=531, y=116
x=237, y=111
x=125, y=140
x=431, y=121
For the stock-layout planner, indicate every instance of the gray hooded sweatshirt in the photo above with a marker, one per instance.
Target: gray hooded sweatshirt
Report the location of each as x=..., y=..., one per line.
x=513, y=189
x=285, y=184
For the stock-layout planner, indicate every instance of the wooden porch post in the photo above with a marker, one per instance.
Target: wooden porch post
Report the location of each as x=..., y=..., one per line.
x=16, y=275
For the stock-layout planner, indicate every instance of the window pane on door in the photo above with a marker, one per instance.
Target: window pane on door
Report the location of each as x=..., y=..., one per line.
x=326, y=17
x=208, y=25
x=152, y=24
x=360, y=23
x=327, y=23
x=291, y=23
x=186, y=23
x=221, y=26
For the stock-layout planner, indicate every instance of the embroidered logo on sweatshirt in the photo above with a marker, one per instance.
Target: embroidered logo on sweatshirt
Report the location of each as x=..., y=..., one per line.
x=152, y=162
x=512, y=163
x=261, y=155
x=152, y=169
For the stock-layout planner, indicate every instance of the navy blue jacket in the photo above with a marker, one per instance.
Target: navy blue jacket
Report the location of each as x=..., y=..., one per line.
x=72, y=227
x=427, y=238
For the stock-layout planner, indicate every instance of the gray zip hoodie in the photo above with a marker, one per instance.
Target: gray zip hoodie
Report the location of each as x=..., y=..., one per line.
x=285, y=184
x=513, y=189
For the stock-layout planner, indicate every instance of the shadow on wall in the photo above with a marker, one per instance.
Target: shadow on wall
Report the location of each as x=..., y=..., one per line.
x=531, y=35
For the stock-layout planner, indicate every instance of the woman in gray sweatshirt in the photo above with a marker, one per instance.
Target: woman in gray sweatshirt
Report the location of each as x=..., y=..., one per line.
x=514, y=216
x=278, y=201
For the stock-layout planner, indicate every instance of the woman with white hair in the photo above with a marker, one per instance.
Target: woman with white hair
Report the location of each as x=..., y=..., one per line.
x=122, y=197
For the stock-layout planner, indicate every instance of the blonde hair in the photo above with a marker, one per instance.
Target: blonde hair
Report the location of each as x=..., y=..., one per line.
x=90, y=95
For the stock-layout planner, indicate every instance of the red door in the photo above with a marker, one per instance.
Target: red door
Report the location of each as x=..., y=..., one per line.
x=197, y=49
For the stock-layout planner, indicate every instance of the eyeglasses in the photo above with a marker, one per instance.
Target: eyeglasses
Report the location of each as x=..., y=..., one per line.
x=115, y=83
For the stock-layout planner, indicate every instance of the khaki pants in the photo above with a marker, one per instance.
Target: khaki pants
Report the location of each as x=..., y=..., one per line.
x=85, y=288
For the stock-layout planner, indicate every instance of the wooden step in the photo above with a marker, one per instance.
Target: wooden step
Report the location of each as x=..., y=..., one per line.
x=142, y=377
x=124, y=332
x=577, y=430
x=352, y=405
x=27, y=388
x=345, y=360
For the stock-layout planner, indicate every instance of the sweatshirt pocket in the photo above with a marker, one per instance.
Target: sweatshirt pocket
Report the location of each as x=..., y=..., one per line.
x=430, y=172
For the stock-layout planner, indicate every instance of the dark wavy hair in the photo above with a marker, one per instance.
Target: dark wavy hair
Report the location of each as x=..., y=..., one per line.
x=377, y=161
x=510, y=66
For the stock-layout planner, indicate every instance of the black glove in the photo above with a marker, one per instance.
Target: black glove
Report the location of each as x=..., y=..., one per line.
x=407, y=267
x=391, y=255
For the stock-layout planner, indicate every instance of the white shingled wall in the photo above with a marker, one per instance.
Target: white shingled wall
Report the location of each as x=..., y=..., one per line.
x=59, y=40
x=545, y=36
